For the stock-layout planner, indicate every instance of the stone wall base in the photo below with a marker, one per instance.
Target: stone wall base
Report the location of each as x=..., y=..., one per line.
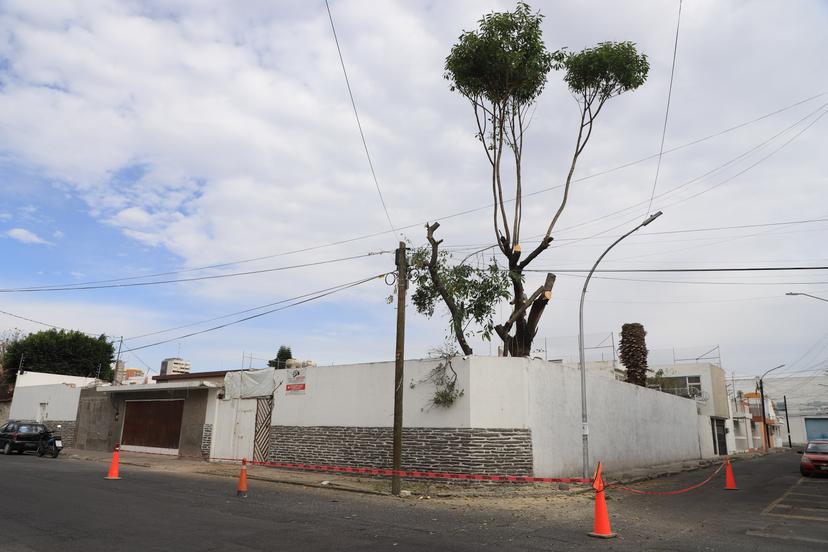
x=456, y=450
x=67, y=430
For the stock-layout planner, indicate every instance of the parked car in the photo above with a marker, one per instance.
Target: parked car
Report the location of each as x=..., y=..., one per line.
x=814, y=458
x=20, y=436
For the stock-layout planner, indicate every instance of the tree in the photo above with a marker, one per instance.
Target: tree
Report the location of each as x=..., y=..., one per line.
x=502, y=68
x=7, y=337
x=282, y=356
x=470, y=293
x=633, y=353
x=71, y=353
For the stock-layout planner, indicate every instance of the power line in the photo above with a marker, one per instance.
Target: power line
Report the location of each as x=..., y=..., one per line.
x=246, y=318
x=666, y=112
x=194, y=279
x=356, y=115
x=698, y=178
x=746, y=169
x=683, y=231
x=47, y=324
x=245, y=311
x=695, y=282
x=464, y=212
x=727, y=269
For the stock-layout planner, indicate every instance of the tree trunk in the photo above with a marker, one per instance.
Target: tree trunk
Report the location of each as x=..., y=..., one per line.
x=520, y=344
x=456, y=322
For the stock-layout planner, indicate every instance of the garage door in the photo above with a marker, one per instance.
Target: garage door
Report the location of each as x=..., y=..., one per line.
x=816, y=428
x=152, y=426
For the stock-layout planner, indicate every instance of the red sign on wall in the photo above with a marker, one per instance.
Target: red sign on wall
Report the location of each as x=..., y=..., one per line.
x=296, y=382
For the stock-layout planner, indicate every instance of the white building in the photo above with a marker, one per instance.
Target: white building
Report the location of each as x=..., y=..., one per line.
x=807, y=402
x=170, y=366
x=51, y=399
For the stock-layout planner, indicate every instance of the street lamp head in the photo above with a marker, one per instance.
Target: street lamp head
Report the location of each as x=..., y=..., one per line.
x=792, y=293
x=651, y=218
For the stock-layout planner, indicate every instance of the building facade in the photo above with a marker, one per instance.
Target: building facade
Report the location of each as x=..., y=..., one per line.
x=174, y=366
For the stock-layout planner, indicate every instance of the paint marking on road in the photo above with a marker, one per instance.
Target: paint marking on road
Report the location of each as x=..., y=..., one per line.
x=753, y=533
x=776, y=502
x=794, y=509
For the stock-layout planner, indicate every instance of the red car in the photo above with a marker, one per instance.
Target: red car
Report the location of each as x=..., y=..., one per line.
x=814, y=458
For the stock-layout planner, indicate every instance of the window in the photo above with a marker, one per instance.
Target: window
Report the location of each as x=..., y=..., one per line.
x=29, y=428
x=683, y=386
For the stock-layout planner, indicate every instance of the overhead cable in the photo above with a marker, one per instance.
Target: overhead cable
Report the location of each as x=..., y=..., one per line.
x=666, y=112
x=356, y=115
x=193, y=279
x=258, y=315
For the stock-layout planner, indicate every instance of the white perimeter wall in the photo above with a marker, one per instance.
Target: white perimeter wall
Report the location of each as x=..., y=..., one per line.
x=630, y=426
x=362, y=395
x=42, y=378
x=62, y=402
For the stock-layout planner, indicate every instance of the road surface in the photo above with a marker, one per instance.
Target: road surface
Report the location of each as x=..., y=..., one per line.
x=66, y=505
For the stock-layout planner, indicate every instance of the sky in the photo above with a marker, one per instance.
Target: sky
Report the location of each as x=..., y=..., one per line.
x=143, y=138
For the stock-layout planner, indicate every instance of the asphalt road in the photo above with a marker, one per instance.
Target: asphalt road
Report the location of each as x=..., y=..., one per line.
x=66, y=505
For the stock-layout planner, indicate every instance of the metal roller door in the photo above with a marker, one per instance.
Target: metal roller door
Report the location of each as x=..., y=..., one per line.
x=152, y=425
x=816, y=428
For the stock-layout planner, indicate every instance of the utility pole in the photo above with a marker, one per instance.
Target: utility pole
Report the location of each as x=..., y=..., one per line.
x=399, y=365
x=117, y=359
x=764, y=416
x=762, y=398
x=787, y=420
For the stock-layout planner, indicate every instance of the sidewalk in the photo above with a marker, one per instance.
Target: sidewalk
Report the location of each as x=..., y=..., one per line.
x=382, y=486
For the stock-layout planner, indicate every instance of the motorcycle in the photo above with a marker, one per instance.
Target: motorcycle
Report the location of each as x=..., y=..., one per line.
x=50, y=444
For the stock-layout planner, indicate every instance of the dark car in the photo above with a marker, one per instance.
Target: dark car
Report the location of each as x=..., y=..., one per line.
x=20, y=436
x=814, y=458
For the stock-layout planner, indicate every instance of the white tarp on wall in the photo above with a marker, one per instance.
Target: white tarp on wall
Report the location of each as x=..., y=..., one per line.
x=249, y=384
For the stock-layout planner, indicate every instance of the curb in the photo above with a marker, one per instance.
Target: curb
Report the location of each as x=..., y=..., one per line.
x=300, y=483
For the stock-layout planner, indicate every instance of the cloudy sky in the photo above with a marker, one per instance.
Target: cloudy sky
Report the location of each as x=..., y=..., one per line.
x=142, y=138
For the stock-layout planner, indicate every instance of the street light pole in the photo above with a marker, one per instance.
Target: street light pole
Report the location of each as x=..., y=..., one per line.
x=762, y=398
x=807, y=295
x=582, y=362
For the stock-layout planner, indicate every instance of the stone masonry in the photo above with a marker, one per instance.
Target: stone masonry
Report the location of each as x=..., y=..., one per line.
x=206, y=440
x=67, y=430
x=456, y=450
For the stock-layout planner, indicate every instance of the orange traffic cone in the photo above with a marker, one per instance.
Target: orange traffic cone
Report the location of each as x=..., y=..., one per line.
x=113, y=467
x=241, y=489
x=601, y=529
x=730, y=481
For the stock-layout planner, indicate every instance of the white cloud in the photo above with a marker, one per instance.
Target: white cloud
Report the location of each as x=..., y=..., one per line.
x=58, y=234
x=217, y=132
x=25, y=236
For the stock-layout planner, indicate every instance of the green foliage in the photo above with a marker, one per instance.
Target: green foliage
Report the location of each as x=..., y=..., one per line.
x=606, y=70
x=60, y=352
x=444, y=377
x=282, y=356
x=504, y=60
x=476, y=290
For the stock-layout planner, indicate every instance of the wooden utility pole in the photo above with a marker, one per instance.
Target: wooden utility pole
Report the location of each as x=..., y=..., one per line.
x=399, y=359
x=787, y=420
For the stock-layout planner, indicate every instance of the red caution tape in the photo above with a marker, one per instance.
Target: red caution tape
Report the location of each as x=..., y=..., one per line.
x=667, y=493
x=388, y=472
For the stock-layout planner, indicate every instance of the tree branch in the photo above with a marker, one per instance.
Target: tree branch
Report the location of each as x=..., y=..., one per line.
x=568, y=178
x=456, y=323
x=539, y=305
